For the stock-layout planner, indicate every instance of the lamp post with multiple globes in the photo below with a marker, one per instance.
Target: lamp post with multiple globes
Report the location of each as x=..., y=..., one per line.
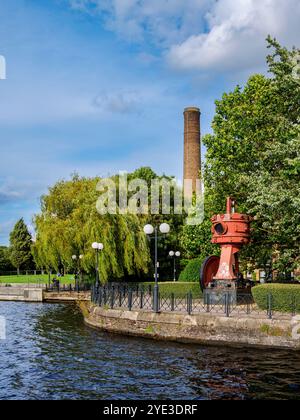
x=174, y=255
x=164, y=228
x=78, y=273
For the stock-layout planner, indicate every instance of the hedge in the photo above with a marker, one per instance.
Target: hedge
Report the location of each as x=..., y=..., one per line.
x=285, y=297
x=179, y=289
x=191, y=273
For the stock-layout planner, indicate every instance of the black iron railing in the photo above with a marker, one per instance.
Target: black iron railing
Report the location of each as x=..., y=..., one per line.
x=131, y=297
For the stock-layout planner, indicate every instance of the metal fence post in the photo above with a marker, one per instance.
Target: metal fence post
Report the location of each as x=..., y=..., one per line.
x=270, y=306
x=99, y=296
x=189, y=303
x=172, y=302
x=207, y=299
x=130, y=299
x=120, y=298
x=294, y=306
x=141, y=299
x=248, y=311
x=227, y=304
x=112, y=298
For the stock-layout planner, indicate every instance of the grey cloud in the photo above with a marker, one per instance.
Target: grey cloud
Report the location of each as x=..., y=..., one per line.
x=126, y=102
x=9, y=197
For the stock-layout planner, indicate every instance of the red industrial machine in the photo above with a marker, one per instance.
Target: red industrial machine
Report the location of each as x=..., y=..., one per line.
x=231, y=231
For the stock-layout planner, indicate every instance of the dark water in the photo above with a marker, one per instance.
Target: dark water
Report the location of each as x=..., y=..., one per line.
x=50, y=354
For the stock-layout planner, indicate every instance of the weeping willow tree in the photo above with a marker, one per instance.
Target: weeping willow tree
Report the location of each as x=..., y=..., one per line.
x=69, y=223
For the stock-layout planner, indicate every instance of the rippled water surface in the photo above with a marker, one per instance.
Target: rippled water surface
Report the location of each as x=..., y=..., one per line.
x=50, y=354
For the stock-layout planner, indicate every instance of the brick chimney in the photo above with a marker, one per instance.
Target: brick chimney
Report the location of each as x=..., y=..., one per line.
x=192, y=148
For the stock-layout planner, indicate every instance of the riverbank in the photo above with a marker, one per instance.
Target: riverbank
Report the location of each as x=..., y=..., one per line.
x=196, y=329
x=253, y=329
x=21, y=294
x=24, y=293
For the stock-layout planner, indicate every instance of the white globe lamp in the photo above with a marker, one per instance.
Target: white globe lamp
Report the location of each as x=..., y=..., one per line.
x=164, y=228
x=148, y=229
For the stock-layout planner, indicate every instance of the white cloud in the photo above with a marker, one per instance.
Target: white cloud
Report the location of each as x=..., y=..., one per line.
x=218, y=35
x=236, y=35
x=160, y=21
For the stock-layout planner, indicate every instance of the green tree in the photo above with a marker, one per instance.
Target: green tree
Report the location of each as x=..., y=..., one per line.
x=5, y=263
x=254, y=155
x=20, y=246
x=176, y=221
x=69, y=223
x=196, y=241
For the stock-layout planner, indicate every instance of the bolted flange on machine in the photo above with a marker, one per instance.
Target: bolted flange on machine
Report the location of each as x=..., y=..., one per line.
x=231, y=231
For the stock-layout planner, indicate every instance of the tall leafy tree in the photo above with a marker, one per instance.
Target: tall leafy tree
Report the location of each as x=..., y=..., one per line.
x=254, y=155
x=69, y=223
x=20, y=246
x=5, y=263
x=168, y=242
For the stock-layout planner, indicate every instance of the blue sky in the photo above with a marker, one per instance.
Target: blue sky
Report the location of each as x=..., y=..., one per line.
x=99, y=86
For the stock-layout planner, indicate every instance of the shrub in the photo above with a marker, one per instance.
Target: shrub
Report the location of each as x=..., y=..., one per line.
x=179, y=289
x=191, y=273
x=285, y=297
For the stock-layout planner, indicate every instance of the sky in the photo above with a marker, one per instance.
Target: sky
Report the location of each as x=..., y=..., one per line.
x=99, y=86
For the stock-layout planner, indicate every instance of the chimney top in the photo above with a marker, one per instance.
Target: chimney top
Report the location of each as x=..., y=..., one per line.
x=192, y=109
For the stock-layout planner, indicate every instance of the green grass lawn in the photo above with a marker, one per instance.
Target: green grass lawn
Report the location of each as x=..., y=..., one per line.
x=32, y=279
x=166, y=289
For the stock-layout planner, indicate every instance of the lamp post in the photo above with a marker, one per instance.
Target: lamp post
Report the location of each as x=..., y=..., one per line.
x=79, y=273
x=174, y=255
x=164, y=228
x=97, y=247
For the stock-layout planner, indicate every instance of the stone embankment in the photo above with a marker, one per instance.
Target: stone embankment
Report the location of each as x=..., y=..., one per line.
x=21, y=294
x=66, y=296
x=198, y=328
x=31, y=293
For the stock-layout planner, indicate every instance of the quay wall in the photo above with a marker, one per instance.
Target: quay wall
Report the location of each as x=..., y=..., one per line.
x=197, y=329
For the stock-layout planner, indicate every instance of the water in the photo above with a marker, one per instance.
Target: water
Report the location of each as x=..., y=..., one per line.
x=50, y=354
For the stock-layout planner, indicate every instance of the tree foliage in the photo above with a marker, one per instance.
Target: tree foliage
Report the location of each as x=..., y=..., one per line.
x=20, y=246
x=69, y=223
x=5, y=263
x=254, y=156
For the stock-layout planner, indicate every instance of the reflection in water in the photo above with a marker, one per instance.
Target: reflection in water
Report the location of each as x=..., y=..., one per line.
x=50, y=354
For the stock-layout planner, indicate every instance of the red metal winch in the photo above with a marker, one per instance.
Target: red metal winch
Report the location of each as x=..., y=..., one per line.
x=231, y=231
